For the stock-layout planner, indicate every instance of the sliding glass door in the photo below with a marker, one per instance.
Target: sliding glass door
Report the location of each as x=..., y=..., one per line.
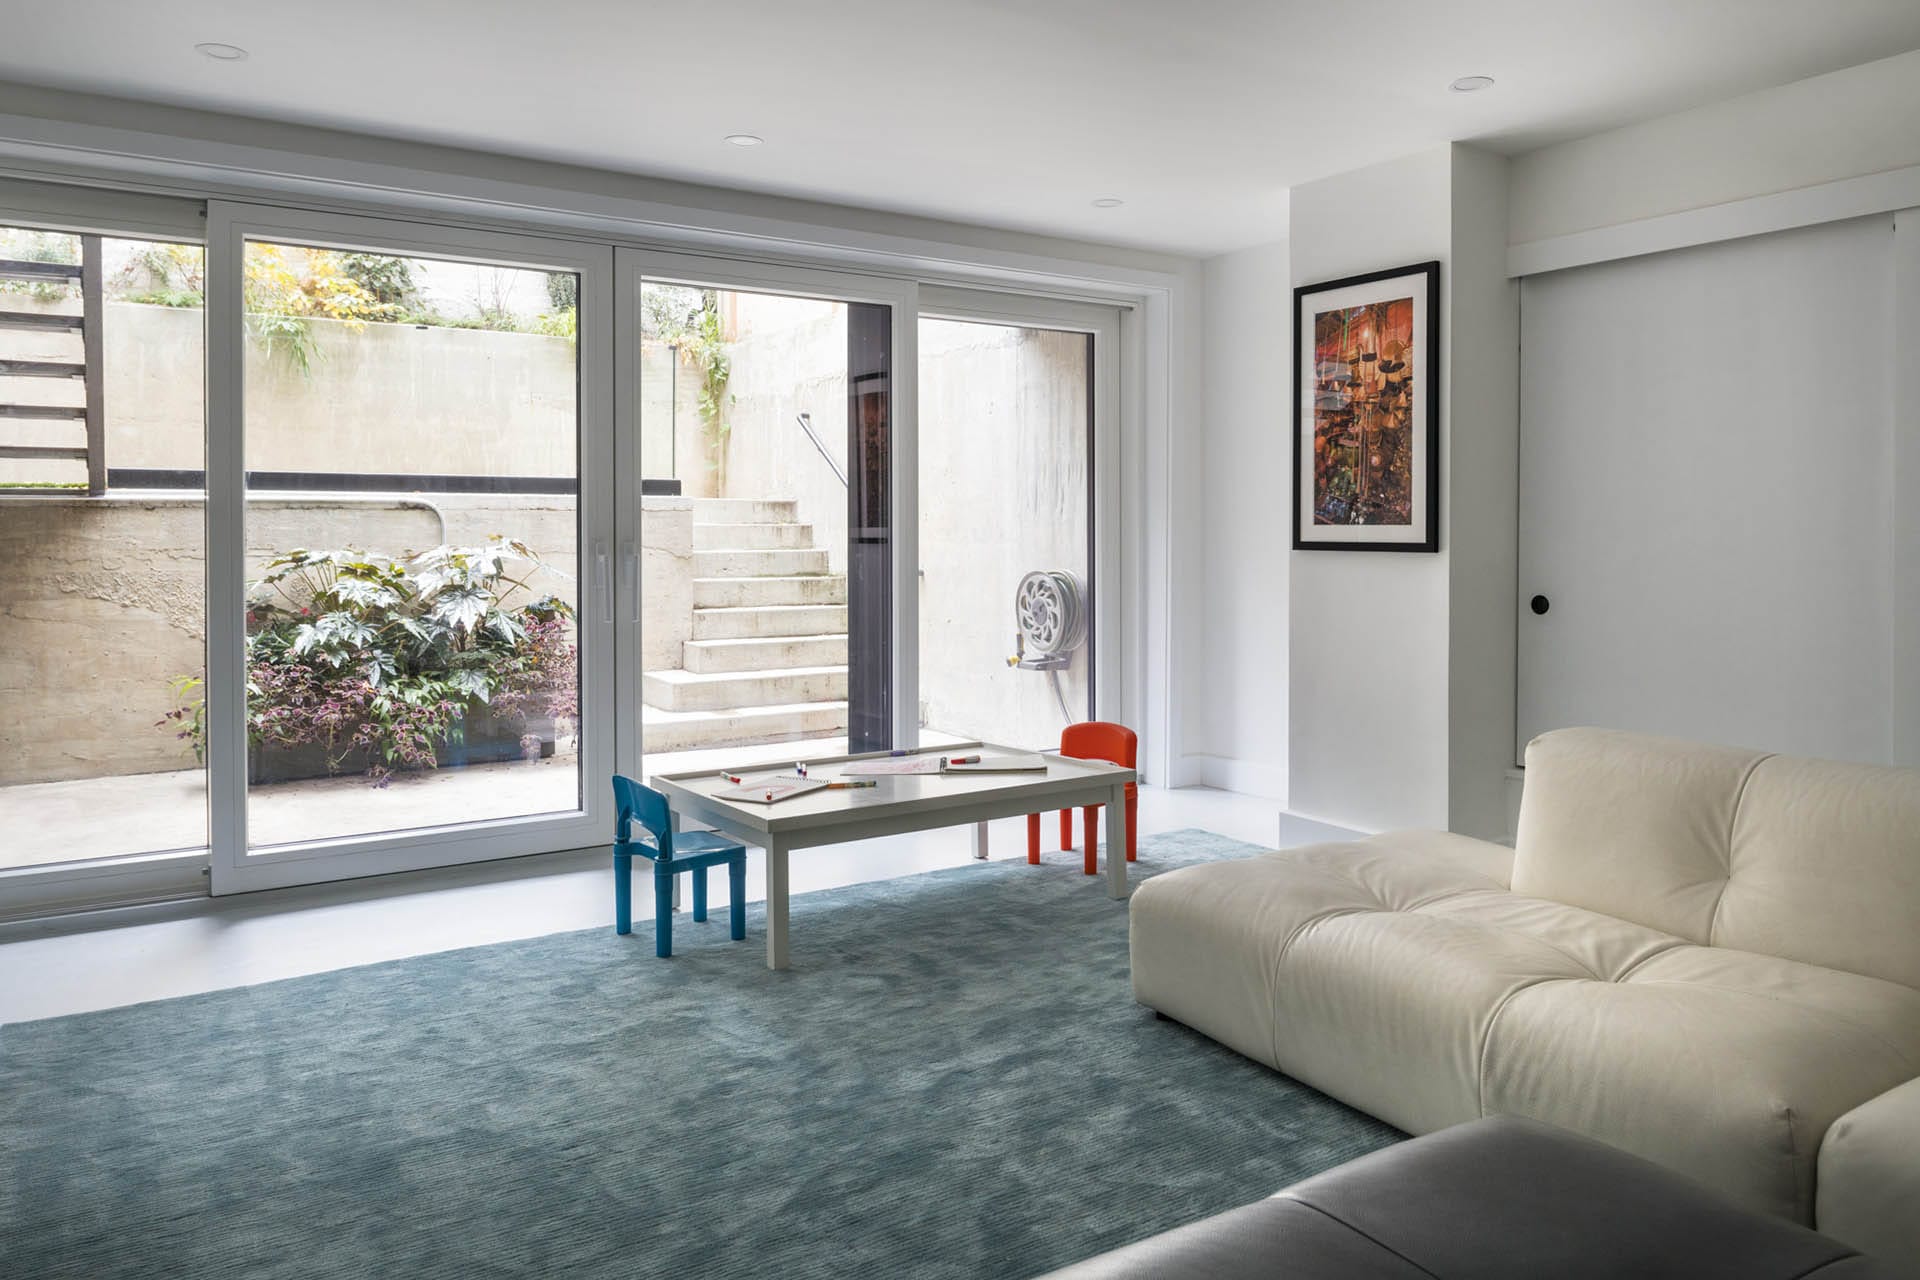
x=412, y=614
x=1015, y=486
x=102, y=530
x=347, y=546
x=761, y=546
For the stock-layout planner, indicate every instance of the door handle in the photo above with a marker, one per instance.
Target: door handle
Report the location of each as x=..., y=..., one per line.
x=1540, y=604
x=632, y=575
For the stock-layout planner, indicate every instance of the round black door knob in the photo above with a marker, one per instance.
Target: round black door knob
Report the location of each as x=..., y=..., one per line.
x=1540, y=604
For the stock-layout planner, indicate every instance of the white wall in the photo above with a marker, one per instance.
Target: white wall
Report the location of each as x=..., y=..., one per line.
x=1367, y=739
x=1400, y=665
x=1241, y=734
x=1482, y=497
x=1860, y=120
x=1906, y=485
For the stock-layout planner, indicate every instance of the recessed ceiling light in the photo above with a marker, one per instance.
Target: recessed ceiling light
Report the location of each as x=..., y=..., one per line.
x=1471, y=84
x=745, y=139
x=224, y=52
x=1108, y=202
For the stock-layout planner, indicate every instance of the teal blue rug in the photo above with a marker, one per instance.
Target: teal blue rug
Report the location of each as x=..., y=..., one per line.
x=952, y=1081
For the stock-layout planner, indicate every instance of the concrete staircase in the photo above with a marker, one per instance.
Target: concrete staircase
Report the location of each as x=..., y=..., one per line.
x=767, y=660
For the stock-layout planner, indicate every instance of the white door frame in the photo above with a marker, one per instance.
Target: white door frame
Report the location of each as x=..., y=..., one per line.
x=631, y=266
x=234, y=868
x=1103, y=324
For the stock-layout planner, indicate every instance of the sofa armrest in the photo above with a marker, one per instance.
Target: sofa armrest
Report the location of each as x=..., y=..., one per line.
x=1868, y=1193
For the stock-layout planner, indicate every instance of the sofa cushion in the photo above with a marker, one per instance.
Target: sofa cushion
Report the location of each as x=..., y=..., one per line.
x=1629, y=825
x=1825, y=867
x=1369, y=970
x=1725, y=1065
x=1207, y=940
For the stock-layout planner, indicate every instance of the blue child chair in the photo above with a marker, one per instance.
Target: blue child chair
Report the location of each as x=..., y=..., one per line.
x=693, y=851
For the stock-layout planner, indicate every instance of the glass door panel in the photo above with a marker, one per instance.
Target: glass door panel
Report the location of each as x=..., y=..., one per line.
x=413, y=542
x=411, y=501
x=1006, y=531
x=766, y=552
x=103, y=531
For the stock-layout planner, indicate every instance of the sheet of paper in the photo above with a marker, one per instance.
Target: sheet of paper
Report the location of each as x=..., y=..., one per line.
x=771, y=790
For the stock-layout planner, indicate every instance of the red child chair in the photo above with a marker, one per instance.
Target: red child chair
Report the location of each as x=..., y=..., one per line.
x=1094, y=740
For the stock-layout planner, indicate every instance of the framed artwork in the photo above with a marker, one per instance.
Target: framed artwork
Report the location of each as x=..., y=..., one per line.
x=1366, y=412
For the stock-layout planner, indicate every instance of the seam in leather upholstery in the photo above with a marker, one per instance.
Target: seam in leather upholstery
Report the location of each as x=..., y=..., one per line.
x=1626, y=975
x=1801, y=1170
x=1486, y=1037
x=1370, y=1239
x=1733, y=820
x=1280, y=958
x=1818, y=1267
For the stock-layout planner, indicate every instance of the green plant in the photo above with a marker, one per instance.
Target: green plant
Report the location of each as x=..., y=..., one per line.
x=166, y=298
x=288, y=286
x=189, y=718
x=388, y=280
x=559, y=324
x=390, y=658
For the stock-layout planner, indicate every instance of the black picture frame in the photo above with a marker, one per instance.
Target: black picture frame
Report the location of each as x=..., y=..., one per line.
x=1416, y=380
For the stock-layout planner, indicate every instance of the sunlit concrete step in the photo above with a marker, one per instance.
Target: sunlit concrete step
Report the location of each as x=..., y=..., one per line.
x=662, y=730
x=709, y=593
x=770, y=620
x=754, y=537
x=704, y=657
x=681, y=690
x=784, y=563
x=745, y=511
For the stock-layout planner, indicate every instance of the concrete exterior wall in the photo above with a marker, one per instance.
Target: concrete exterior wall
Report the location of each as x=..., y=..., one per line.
x=381, y=397
x=671, y=445
x=1004, y=454
x=105, y=598
x=790, y=357
x=666, y=581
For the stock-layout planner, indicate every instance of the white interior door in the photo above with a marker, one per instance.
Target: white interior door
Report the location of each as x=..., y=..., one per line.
x=1706, y=501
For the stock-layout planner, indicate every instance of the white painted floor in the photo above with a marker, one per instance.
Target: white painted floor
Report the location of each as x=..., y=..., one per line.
x=105, y=959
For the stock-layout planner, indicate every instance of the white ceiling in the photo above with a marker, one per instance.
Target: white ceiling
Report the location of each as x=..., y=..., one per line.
x=1200, y=114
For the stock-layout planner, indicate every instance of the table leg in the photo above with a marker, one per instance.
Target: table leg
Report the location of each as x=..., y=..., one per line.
x=776, y=905
x=1117, y=831
x=673, y=822
x=980, y=841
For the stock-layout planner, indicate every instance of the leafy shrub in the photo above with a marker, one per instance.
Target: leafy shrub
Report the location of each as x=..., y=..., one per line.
x=357, y=653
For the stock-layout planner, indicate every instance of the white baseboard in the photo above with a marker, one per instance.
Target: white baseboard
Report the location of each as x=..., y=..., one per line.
x=1264, y=778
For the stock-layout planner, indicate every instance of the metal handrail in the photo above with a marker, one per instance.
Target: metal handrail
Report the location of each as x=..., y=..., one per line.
x=806, y=424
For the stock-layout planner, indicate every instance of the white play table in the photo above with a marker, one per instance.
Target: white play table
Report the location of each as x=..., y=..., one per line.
x=900, y=803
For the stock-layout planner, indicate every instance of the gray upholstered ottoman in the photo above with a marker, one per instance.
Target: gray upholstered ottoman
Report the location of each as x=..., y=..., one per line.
x=1494, y=1199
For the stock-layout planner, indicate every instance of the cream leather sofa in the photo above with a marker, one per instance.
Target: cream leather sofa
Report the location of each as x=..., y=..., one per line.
x=1706, y=956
